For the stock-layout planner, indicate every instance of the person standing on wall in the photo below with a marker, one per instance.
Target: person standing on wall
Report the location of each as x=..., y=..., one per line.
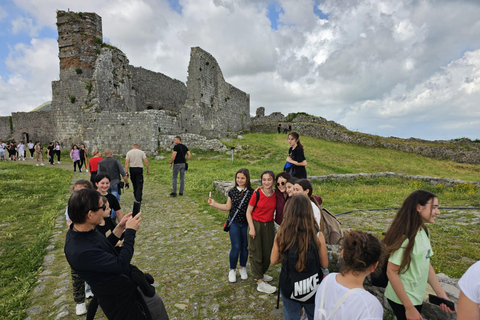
x=179, y=158
x=114, y=169
x=134, y=159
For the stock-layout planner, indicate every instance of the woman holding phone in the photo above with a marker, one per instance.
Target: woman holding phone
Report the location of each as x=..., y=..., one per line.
x=407, y=243
x=237, y=204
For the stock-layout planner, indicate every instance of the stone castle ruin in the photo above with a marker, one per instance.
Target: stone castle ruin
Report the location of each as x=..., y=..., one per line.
x=103, y=101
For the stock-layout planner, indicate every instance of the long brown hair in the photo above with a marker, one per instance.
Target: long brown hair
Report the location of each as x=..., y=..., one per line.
x=307, y=185
x=296, y=136
x=298, y=227
x=405, y=225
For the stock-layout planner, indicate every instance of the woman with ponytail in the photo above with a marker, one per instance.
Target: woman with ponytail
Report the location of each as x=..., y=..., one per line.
x=296, y=161
x=341, y=295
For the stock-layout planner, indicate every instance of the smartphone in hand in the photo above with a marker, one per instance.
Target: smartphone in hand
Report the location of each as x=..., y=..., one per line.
x=438, y=301
x=210, y=194
x=136, y=208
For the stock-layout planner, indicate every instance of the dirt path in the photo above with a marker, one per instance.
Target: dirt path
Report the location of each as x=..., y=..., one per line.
x=184, y=250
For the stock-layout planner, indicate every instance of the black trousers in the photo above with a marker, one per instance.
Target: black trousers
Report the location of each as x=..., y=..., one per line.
x=399, y=309
x=136, y=175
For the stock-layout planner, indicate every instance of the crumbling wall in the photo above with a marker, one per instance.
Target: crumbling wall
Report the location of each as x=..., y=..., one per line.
x=5, y=128
x=156, y=91
x=37, y=124
x=213, y=107
x=120, y=130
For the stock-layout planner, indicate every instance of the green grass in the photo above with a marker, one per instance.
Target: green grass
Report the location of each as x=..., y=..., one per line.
x=269, y=151
x=31, y=198
x=30, y=201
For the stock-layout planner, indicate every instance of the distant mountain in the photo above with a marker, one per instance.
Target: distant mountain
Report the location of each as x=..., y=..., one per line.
x=47, y=106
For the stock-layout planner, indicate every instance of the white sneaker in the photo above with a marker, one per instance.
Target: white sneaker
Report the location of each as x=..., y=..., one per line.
x=41, y=164
x=80, y=309
x=58, y=162
x=37, y=164
x=265, y=287
x=232, y=276
x=243, y=273
x=86, y=170
x=266, y=277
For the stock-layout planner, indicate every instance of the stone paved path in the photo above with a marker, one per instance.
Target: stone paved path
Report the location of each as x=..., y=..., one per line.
x=184, y=250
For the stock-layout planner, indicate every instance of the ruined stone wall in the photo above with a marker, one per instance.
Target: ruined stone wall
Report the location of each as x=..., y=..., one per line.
x=213, y=106
x=37, y=124
x=120, y=130
x=155, y=90
x=320, y=128
x=5, y=129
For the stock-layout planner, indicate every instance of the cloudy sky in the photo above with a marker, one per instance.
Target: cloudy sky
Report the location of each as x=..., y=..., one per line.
x=405, y=68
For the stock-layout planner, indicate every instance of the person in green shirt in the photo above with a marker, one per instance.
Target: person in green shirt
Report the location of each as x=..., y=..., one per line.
x=407, y=243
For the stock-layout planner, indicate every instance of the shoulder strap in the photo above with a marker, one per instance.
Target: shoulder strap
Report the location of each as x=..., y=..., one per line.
x=258, y=198
x=339, y=303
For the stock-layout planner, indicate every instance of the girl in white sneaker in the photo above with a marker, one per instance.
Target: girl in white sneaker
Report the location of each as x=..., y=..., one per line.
x=237, y=204
x=261, y=231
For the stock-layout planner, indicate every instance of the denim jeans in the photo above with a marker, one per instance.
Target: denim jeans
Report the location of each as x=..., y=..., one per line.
x=114, y=190
x=292, y=308
x=178, y=167
x=238, y=238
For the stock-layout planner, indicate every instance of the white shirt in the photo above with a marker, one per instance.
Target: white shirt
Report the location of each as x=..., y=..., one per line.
x=30, y=145
x=361, y=305
x=470, y=283
x=316, y=213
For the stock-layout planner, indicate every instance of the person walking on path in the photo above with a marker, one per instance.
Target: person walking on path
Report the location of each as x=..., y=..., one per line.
x=261, y=231
x=135, y=159
x=296, y=157
x=31, y=148
x=237, y=204
x=51, y=153
x=179, y=158
x=21, y=151
x=3, y=146
x=114, y=169
x=58, y=151
x=83, y=157
x=38, y=153
x=407, y=244
x=111, y=276
x=93, y=164
x=75, y=156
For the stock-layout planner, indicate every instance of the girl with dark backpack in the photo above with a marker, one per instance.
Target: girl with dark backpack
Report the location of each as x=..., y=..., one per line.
x=300, y=246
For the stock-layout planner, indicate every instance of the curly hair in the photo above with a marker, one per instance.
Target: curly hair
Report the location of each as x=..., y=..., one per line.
x=360, y=251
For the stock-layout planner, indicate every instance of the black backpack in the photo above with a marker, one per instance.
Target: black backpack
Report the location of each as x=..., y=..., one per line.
x=301, y=286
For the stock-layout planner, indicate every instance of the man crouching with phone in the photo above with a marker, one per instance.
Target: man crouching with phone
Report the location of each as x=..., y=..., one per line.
x=121, y=289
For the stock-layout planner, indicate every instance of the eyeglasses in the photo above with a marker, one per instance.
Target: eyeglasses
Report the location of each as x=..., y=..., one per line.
x=102, y=207
x=281, y=183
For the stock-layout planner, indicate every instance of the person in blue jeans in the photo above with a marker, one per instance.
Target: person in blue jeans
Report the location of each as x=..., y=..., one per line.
x=237, y=204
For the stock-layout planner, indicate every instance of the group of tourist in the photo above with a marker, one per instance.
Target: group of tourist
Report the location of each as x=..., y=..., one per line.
x=286, y=127
x=13, y=151
x=281, y=222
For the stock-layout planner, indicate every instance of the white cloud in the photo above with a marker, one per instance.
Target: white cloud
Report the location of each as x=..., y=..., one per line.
x=3, y=14
x=33, y=67
x=387, y=67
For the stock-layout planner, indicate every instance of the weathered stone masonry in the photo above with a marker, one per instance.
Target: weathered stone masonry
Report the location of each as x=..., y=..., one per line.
x=103, y=101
